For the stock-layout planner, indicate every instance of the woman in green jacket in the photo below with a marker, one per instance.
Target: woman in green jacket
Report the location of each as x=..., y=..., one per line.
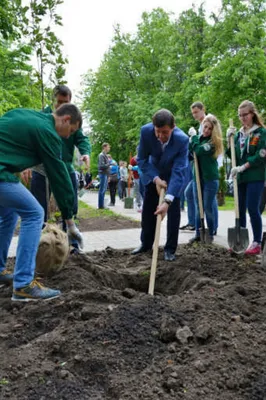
x=207, y=148
x=250, y=145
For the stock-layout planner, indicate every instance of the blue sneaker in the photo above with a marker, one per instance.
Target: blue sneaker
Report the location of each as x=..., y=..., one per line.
x=6, y=277
x=34, y=291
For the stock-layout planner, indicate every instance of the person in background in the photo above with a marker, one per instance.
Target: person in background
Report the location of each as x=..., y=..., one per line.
x=40, y=187
x=88, y=180
x=123, y=179
x=136, y=179
x=29, y=138
x=190, y=199
x=103, y=172
x=198, y=113
x=250, y=145
x=163, y=161
x=119, y=185
x=207, y=147
x=113, y=180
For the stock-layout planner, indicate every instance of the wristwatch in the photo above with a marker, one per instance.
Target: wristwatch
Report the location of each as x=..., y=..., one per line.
x=167, y=201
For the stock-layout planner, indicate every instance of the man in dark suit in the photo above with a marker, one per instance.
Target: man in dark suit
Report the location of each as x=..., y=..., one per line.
x=163, y=161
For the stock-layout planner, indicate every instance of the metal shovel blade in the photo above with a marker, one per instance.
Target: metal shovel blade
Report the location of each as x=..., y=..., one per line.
x=205, y=236
x=238, y=239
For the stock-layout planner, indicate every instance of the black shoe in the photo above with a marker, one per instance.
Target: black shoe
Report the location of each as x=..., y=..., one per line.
x=184, y=227
x=140, y=249
x=187, y=227
x=195, y=239
x=214, y=233
x=168, y=256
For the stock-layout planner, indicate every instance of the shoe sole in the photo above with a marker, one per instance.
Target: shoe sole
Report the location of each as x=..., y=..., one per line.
x=27, y=299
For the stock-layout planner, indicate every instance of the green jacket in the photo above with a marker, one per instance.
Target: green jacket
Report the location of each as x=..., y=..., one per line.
x=78, y=139
x=204, y=150
x=255, y=142
x=28, y=138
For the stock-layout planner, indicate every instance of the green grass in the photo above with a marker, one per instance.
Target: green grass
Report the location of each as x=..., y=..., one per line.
x=229, y=204
x=86, y=211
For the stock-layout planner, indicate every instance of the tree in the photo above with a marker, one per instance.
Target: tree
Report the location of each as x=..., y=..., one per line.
x=234, y=64
x=168, y=63
x=46, y=45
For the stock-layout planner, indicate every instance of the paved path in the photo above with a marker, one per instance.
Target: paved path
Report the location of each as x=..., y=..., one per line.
x=130, y=238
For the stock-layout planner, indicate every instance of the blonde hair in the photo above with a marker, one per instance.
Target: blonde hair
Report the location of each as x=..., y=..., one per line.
x=216, y=136
x=257, y=119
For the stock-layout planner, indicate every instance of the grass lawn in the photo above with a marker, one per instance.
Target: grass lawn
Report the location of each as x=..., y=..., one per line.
x=229, y=204
x=86, y=211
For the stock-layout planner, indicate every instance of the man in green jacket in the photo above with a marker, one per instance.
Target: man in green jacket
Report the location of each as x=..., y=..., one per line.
x=40, y=187
x=28, y=138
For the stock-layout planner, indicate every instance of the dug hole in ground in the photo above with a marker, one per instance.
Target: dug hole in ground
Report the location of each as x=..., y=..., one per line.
x=202, y=336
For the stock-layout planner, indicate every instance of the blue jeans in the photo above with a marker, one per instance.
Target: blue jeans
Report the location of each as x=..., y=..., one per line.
x=137, y=193
x=141, y=188
x=209, y=191
x=191, y=213
x=16, y=201
x=102, y=189
x=249, y=197
x=182, y=201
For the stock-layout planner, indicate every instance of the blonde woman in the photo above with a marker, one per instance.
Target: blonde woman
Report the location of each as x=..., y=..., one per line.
x=250, y=145
x=207, y=148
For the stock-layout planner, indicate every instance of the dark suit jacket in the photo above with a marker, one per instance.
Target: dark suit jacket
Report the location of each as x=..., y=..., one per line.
x=170, y=165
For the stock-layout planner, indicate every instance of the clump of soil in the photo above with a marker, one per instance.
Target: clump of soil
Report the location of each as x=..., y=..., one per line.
x=202, y=336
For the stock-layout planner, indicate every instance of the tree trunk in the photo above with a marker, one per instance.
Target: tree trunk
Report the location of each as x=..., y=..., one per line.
x=220, y=199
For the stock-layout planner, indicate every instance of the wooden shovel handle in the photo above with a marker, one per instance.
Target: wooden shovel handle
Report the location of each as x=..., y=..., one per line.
x=233, y=159
x=196, y=164
x=156, y=246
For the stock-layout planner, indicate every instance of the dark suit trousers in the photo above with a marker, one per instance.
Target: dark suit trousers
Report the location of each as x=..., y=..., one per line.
x=148, y=222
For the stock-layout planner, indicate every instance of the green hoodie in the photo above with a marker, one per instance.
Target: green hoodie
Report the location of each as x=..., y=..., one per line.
x=28, y=138
x=204, y=150
x=251, y=152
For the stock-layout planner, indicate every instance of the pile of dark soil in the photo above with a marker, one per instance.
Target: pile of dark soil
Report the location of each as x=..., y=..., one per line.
x=202, y=336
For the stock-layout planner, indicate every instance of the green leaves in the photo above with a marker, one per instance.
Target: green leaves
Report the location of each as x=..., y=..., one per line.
x=20, y=84
x=169, y=63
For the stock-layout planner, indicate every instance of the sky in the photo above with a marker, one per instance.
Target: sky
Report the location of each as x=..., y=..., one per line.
x=88, y=28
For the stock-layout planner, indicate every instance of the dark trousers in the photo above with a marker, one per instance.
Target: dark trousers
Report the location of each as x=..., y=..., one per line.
x=112, y=188
x=249, y=195
x=123, y=189
x=38, y=189
x=148, y=222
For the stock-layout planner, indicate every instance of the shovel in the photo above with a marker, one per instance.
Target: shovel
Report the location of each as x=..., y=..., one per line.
x=237, y=237
x=204, y=232
x=155, y=247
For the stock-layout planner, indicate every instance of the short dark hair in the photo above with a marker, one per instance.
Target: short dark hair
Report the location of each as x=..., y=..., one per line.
x=163, y=117
x=72, y=110
x=198, y=104
x=63, y=90
x=105, y=145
